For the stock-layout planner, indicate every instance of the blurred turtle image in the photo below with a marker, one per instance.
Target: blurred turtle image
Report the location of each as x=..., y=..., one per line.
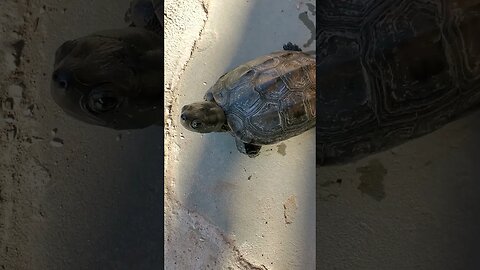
x=114, y=78
x=390, y=71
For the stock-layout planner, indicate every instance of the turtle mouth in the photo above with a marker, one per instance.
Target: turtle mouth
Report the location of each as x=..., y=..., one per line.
x=184, y=121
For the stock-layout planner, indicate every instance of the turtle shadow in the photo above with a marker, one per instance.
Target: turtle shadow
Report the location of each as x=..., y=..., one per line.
x=210, y=192
x=135, y=237
x=120, y=223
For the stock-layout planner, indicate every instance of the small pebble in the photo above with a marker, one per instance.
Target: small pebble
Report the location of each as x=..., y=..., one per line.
x=27, y=140
x=8, y=104
x=204, y=83
x=10, y=119
x=29, y=110
x=11, y=134
x=15, y=91
x=56, y=142
x=37, y=139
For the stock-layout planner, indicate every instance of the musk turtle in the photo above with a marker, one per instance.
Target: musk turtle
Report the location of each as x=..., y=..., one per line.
x=264, y=101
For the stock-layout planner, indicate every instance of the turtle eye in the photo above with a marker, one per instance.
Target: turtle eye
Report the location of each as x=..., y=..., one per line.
x=196, y=124
x=102, y=102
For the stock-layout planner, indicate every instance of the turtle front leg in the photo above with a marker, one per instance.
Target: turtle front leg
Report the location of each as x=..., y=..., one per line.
x=248, y=149
x=291, y=47
x=209, y=96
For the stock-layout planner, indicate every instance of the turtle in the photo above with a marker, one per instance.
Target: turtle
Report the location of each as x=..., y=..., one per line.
x=114, y=78
x=390, y=71
x=263, y=101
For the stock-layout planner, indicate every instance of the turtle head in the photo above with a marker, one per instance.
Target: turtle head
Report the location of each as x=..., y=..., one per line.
x=110, y=79
x=203, y=117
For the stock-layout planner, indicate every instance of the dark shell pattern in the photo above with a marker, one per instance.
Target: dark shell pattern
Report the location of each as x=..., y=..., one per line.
x=269, y=99
x=392, y=70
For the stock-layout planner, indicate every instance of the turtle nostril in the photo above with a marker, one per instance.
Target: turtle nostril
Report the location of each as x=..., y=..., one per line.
x=61, y=78
x=63, y=84
x=183, y=117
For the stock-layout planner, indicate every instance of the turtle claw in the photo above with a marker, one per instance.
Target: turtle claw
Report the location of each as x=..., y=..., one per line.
x=252, y=150
x=208, y=96
x=291, y=47
x=248, y=149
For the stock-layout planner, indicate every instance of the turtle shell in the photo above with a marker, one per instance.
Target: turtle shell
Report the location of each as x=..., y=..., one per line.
x=269, y=99
x=392, y=71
